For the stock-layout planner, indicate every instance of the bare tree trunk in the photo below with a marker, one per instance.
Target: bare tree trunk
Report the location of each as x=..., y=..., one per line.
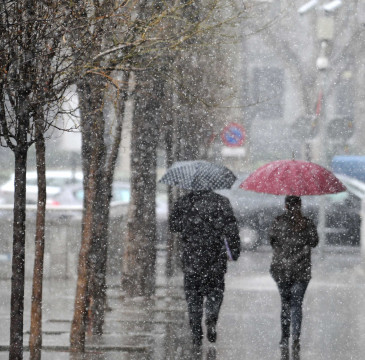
x=78, y=323
x=138, y=278
x=98, y=172
x=17, y=280
x=98, y=241
x=98, y=281
x=20, y=152
x=90, y=99
x=176, y=153
x=169, y=128
x=35, y=339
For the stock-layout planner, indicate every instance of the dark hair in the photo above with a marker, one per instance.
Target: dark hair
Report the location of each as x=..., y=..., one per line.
x=292, y=201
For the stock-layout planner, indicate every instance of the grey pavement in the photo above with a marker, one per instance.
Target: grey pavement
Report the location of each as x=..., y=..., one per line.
x=248, y=328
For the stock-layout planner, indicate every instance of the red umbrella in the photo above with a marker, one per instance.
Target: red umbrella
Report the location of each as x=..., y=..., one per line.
x=293, y=177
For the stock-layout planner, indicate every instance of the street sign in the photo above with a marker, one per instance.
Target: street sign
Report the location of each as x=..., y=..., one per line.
x=233, y=135
x=229, y=151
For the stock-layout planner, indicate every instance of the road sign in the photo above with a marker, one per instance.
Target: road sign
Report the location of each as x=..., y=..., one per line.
x=229, y=151
x=233, y=135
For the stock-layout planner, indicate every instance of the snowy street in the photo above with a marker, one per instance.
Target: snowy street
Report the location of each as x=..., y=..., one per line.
x=248, y=328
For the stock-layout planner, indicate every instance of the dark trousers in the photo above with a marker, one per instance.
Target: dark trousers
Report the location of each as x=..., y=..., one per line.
x=197, y=287
x=292, y=295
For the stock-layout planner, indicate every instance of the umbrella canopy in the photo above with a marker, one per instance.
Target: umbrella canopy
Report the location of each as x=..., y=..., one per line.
x=198, y=175
x=293, y=177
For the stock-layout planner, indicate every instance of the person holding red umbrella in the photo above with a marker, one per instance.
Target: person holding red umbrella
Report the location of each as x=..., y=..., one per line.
x=292, y=236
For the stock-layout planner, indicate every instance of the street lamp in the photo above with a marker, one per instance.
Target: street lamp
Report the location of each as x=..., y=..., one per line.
x=307, y=6
x=312, y=4
x=332, y=6
x=325, y=31
x=322, y=64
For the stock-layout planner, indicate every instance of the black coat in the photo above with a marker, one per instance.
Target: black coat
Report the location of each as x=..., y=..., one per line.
x=205, y=219
x=292, y=243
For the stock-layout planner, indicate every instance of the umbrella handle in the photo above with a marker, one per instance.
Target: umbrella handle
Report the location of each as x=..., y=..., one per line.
x=229, y=253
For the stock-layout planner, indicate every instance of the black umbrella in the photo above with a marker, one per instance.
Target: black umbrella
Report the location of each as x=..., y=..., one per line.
x=198, y=175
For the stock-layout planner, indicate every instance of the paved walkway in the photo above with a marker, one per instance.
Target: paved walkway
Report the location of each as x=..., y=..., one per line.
x=248, y=328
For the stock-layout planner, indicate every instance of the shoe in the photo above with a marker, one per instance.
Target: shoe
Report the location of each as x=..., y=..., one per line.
x=197, y=338
x=284, y=353
x=197, y=341
x=296, y=350
x=196, y=352
x=197, y=334
x=211, y=333
x=284, y=350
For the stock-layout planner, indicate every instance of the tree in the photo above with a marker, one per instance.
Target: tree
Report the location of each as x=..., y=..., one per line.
x=202, y=94
x=98, y=167
x=140, y=242
x=103, y=58
x=99, y=73
x=132, y=37
x=32, y=83
x=99, y=250
x=35, y=339
x=187, y=32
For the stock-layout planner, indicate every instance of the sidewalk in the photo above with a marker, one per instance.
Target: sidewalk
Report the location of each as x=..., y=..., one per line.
x=134, y=329
x=248, y=328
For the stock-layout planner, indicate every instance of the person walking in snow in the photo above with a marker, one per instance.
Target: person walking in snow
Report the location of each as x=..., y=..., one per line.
x=292, y=236
x=209, y=232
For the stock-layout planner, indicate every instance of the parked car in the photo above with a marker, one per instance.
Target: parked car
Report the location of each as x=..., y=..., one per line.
x=343, y=219
x=55, y=179
x=74, y=195
x=255, y=213
x=349, y=165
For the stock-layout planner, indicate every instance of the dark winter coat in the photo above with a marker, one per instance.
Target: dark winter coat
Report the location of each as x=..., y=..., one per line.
x=205, y=219
x=292, y=243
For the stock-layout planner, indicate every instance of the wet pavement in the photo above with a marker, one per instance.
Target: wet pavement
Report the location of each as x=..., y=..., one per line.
x=248, y=328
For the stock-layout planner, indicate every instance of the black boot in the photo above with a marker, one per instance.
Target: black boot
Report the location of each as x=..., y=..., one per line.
x=195, y=325
x=284, y=349
x=211, y=332
x=197, y=339
x=296, y=350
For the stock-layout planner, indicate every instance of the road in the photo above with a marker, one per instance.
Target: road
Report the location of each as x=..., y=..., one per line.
x=334, y=309
x=248, y=328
